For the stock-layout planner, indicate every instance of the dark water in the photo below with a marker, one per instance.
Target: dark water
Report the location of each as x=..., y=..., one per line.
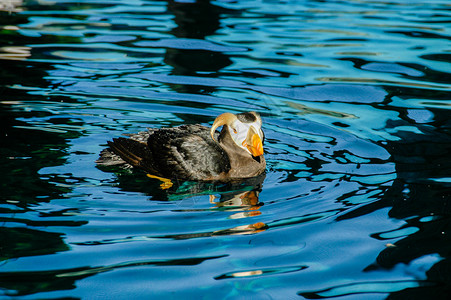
x=355, y=99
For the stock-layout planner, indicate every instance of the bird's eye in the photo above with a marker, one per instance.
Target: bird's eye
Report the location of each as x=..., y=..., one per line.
x=234, y=131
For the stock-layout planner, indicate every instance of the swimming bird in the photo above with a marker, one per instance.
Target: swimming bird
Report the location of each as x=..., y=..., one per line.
x=195, y=152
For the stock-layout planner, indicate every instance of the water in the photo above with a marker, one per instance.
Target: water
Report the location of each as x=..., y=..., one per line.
x=354, y=96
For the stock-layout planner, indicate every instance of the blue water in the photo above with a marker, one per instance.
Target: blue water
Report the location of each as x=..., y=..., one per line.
x=355, y=100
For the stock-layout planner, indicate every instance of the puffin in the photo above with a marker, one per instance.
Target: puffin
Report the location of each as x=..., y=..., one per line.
x=194, y=152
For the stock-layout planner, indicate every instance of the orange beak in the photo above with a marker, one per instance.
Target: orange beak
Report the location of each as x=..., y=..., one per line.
x=257, y=147
x=253, y=143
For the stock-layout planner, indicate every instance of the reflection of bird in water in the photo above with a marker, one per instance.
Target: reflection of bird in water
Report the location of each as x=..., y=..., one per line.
x=244, y=199
x=195, y=152
x=245, y=203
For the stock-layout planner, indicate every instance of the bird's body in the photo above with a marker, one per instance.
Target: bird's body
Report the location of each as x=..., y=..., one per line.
x=194, y=152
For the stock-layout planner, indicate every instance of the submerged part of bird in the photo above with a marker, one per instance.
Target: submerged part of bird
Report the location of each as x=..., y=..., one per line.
x=194, y=152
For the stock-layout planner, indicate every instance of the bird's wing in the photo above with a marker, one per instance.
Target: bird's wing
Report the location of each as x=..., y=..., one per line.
x=135, y=153
x=187, y=152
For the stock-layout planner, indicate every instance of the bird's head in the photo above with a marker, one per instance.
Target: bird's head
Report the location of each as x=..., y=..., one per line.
x=244, y=129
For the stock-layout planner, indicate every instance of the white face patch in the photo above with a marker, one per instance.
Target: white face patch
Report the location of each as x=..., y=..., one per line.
x=239, y=130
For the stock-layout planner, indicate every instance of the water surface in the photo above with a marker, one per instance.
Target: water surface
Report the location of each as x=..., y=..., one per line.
x=354, y=97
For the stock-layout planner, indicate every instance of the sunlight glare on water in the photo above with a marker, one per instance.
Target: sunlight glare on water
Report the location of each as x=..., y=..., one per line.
x=354, y=97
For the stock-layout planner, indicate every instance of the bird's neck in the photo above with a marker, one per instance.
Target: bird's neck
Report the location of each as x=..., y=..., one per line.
x=241, y=162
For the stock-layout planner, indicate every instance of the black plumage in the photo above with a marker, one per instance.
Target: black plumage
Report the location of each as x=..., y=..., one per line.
x=190, y=152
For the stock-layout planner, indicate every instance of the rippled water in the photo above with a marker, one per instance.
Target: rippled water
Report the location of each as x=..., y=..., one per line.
x=354, y=96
